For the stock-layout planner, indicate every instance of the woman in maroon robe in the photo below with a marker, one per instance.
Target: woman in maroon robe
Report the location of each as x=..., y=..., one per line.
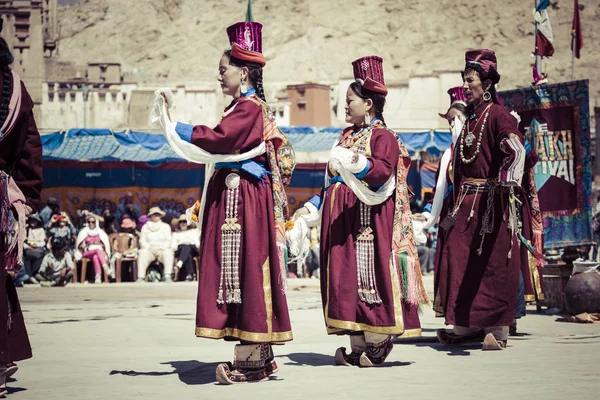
x=241, y=283
x=481, y=256
x=367, y=242
x=20, y=178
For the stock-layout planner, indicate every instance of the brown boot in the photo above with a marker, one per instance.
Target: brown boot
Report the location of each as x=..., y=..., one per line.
x=376, y=353
x=11, y=369
x=252, y=363
x=227, y=374
x=452, y=339
x=491, y=343
x=348, y=360
x=3, y=391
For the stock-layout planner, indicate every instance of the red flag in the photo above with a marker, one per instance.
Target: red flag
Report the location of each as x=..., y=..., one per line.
x=577, y=34
x=544, y=38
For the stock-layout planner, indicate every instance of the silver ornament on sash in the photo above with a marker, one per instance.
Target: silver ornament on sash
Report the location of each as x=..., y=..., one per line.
x=365, y=259
x=231, y=232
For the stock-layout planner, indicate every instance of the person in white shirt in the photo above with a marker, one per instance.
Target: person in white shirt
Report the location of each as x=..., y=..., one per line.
x=426, y=254
x=185, y=244
x=34, y=247
x=57, y=266
x=155, y=244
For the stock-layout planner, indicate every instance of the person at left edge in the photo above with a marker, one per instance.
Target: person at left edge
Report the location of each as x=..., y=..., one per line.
x=20, y=186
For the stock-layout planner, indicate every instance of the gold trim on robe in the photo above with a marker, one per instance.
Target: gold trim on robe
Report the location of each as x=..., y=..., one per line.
x=410, y=333
x=335, y=326
x=258, y=337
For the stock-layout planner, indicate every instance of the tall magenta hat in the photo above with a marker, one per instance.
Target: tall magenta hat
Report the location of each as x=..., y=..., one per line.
x=457, y=95
x=246, y=42
x=369, y=71
x=484, y=62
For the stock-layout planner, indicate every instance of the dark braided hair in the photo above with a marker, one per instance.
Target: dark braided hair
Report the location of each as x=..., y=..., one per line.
x=378, y=99
x=255, y=73
x=6, y=58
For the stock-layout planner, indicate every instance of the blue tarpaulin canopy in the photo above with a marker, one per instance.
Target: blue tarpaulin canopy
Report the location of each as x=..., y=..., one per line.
x=106, y=145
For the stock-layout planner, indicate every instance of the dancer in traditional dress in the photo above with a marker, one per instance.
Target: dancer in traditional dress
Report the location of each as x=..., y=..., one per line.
x=241, y=286
x=480, y=259
x=20, y=186
x=371, y=281
x=443, y=199
x=531, y=234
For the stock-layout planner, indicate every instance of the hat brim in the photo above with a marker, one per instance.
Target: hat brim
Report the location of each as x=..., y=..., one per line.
x=374, y=86
x=247, y=55
x=35, y=217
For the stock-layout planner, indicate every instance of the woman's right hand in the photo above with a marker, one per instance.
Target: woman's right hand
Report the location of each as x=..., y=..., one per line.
x=300, y=213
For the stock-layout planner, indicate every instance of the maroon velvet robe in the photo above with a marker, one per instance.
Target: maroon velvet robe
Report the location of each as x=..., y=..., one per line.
x=21, y=152
x=21, y=158
x=343, y=310
x=447, y=206
x=474, y=290
x=263, y=314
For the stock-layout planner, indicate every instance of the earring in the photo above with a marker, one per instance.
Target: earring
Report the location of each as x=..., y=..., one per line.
x=243, y=87
x=367, y=118
x=487, y=96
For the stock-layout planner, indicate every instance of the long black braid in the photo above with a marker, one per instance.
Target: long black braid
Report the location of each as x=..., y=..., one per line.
x=255, y=73
x=256, y=78
x=378, y=99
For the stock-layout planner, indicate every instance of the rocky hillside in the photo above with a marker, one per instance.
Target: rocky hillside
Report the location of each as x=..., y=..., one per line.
x=317, y=39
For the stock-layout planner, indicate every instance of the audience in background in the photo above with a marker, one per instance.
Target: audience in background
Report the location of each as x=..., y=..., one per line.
x=92, y=243
x=426, y=253
x=128, y=209
x=155, y=244
x=185, y=244
x=57, y=266
x=61, y=228
x=51, y=208
x=34, y=246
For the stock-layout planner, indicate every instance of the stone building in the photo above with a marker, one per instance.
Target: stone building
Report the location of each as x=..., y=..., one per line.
x=31, y=31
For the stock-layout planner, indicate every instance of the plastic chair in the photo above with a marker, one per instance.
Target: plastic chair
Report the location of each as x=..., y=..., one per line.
x=124, y=243
x=84, y=263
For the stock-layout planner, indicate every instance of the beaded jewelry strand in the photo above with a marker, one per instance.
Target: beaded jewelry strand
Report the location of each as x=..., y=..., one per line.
x=479, y=140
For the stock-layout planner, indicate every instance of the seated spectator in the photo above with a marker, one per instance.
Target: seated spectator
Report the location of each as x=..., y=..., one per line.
x=57, y=266
x=155, y=244
x=51, y=208
x=34, y=246
x=426, y=254
x=61, y=228
x=126, y=208
x=129, y=226
x=109, y=224
x=92, y=242
x=185, y=244
x=106, y=220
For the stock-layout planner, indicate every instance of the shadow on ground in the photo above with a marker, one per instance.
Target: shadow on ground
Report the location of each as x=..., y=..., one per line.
x=190, y=372
x=324, y=360
x=12, y=390
x=456, y=350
